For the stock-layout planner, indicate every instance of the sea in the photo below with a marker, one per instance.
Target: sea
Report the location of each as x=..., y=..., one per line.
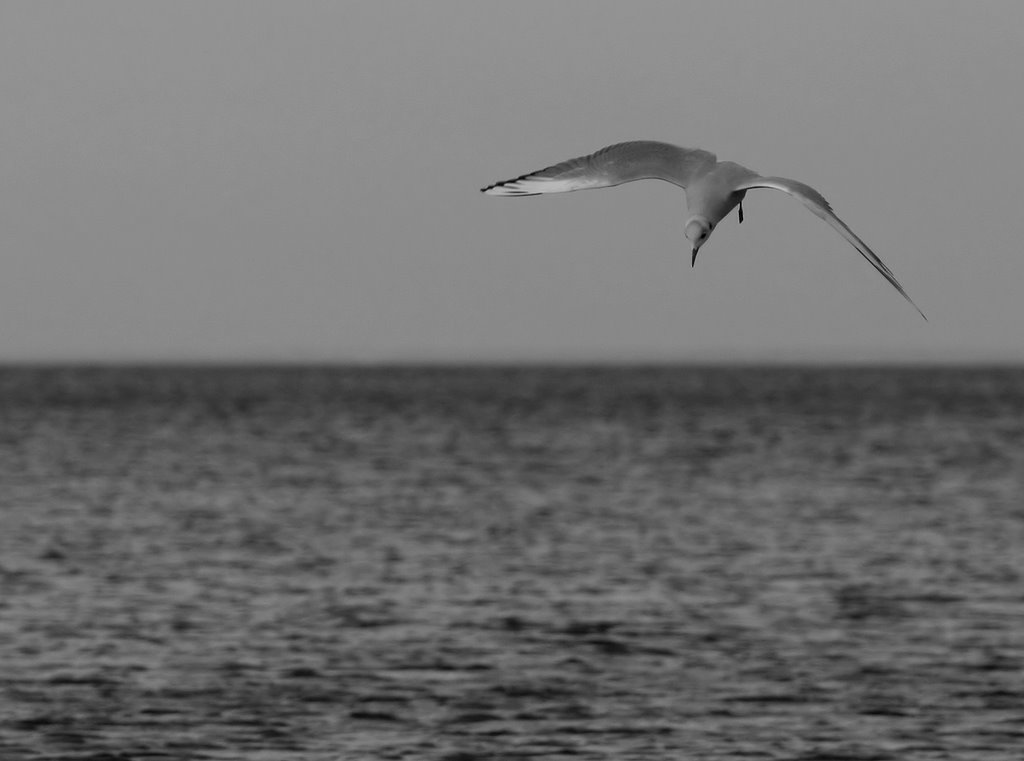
x=292, y=563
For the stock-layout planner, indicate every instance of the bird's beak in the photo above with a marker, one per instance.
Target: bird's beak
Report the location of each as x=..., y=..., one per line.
x=693, y=260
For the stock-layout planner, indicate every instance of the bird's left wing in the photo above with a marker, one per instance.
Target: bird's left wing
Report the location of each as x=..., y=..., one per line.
x=816, y=202
x=613, y=165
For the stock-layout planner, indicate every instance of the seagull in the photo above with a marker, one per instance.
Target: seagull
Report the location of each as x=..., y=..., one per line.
x=713, y=188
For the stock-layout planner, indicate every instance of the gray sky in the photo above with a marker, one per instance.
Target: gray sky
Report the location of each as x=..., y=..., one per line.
x=299, y=181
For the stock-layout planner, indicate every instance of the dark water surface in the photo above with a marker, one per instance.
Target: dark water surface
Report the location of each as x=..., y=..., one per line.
x=646, y=563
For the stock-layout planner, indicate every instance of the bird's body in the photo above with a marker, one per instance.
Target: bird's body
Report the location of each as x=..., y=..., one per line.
x=713, y=188
x=714, y=194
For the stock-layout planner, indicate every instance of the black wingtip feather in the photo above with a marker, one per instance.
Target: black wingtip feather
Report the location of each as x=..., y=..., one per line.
x=510, y=191
x=505, y=183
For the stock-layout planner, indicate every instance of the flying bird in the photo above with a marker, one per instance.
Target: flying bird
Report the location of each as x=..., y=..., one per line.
x=713, y=188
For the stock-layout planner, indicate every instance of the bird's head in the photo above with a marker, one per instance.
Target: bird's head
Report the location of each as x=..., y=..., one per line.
x=698, y=230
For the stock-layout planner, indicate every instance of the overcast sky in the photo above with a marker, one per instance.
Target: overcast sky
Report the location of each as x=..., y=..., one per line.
x=300, y=181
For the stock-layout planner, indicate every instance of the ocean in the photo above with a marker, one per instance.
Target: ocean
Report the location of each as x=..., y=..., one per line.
x=459, y=563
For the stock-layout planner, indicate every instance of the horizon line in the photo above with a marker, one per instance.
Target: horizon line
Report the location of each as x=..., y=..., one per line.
x=511, y=362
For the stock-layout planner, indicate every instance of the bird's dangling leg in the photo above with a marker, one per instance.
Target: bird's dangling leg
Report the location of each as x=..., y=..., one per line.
x=741, y=212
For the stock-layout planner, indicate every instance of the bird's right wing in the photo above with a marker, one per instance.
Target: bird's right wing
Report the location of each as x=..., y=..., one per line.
x=614, y=165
